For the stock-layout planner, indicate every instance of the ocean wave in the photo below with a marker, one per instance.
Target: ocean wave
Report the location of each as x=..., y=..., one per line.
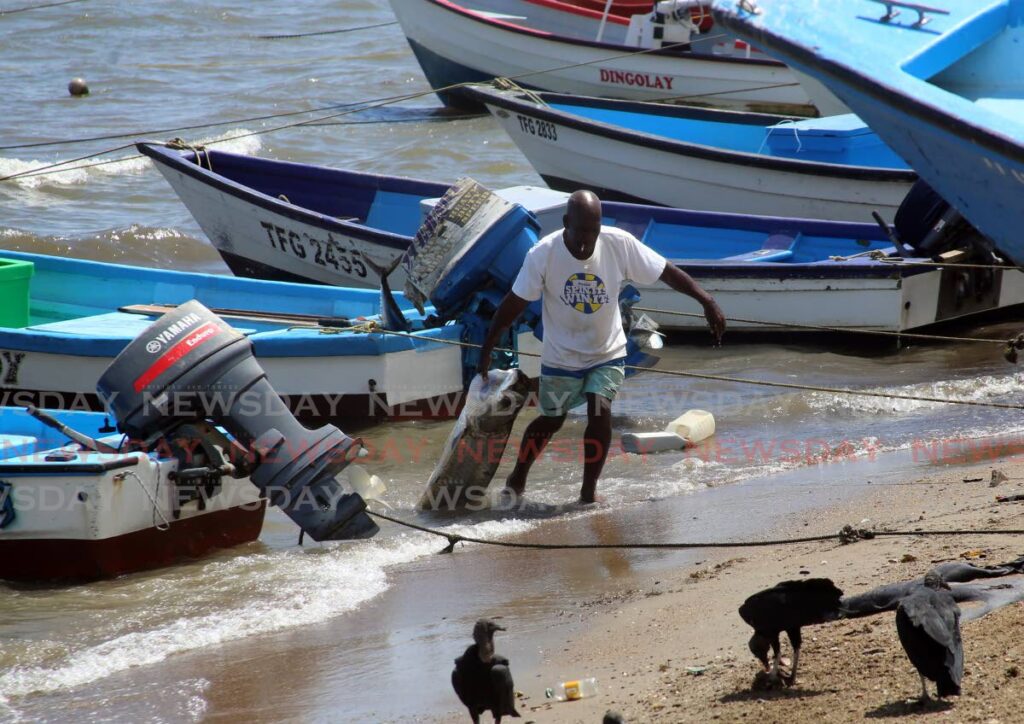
x=282, y=589
x=80, y=172
x=986, y=388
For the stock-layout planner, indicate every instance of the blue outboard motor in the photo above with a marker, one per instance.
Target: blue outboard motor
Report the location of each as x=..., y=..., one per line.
x=464, y=260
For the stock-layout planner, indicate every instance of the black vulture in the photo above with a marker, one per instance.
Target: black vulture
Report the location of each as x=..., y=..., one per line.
x=482, y=679
x=787, y=607
x=928, y=623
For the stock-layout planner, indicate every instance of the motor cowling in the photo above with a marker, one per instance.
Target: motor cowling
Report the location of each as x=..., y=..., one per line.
x=190, y=365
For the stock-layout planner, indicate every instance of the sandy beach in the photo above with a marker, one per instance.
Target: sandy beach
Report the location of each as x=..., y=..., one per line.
x=675, y=650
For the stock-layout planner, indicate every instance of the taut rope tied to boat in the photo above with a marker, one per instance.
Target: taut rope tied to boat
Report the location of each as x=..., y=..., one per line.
x=180, y=144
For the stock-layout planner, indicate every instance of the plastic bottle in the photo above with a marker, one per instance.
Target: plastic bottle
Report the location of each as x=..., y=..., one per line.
x=572, y=690
x=693, y=425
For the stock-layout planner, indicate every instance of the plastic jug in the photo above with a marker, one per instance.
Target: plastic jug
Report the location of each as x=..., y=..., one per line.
x=369, y=487
x=694, y=425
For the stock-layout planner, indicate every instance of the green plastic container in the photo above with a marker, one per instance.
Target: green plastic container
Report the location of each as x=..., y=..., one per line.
x=14, y=280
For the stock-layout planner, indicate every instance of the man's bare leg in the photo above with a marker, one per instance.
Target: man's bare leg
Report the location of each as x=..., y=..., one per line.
x=596, y=439
x=535, y=439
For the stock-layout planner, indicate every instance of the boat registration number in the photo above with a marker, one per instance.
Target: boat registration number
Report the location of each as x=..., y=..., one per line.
x=325, y=253
x=537, y=127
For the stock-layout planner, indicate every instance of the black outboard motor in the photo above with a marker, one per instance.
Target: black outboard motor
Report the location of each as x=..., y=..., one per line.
x=189, y=366
x=930, y=226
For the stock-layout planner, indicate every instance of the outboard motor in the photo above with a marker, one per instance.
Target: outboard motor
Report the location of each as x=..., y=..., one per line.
x=188, y=367
x=465, y=258
x=927, y=223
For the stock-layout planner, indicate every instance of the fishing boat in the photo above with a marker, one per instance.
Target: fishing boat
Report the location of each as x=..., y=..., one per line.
x=832, y=168
x=455, y=45
x=940, y=83
x=70, y=513
x=647, y=25
x=618, y=8
x=326, y=350
x=776, y=269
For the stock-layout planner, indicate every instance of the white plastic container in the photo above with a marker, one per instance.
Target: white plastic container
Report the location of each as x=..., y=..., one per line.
x=369, y=487
x=693, y=425
x=642, y=443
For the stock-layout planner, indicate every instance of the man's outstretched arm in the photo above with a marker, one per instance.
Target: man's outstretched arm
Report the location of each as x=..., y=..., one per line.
x=508, y=311
x=685, y=284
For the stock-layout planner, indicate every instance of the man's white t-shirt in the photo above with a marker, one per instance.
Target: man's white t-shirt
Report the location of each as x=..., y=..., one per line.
x=582, y=323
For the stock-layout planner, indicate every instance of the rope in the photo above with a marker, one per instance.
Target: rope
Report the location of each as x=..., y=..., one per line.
x=38, y=7
x=156, y=508
x=44, y=170
x=326, y=32
x=741, y=380
x=898, y=261
x=825, y=328
x=181, y=144
x=848, y=534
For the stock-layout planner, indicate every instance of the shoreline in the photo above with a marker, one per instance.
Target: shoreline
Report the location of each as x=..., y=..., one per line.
x=675, y=649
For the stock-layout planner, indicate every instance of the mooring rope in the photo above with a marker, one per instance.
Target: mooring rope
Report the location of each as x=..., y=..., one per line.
x=729, y=378
x=38, y=7
x=848, y=534
x=843, y=330
x=327, y=32
x=51, y=168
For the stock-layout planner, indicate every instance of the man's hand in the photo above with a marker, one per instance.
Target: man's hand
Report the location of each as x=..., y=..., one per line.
x=484, y=365
x=716, y=321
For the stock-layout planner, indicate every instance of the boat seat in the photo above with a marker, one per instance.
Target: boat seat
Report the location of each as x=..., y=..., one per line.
x=777, y=247
x=12, y=446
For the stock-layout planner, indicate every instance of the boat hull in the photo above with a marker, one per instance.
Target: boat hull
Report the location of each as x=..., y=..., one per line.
x=72, y=560
x=98, y=516
x=573, y=152
x=945, y=95
x=841, y=295
x=456, y=46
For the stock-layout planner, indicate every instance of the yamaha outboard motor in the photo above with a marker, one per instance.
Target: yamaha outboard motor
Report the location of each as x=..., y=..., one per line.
x=190, y=366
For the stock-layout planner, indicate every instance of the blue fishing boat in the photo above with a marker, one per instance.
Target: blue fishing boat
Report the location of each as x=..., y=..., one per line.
x=275, y=219
x=939, y=82
x=832, y=168
x=325, y=349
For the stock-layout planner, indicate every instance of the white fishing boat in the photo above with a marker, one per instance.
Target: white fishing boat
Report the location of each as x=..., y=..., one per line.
x=824, y=168
x=455, y=45
x=69, y=513
x=772, y=268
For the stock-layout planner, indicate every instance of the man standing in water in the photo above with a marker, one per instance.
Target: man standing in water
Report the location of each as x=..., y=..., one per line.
x=578, y=271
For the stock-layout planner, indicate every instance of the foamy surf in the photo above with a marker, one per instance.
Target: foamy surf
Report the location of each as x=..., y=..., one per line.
x=80, y=172
x=987, y=388
x=281, y=590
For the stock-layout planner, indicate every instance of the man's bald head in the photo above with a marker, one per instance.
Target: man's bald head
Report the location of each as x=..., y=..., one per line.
x=582, y=222
x=583, y=205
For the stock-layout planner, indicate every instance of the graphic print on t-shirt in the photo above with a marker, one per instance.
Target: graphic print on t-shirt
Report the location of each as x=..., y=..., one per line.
x=585, y=293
